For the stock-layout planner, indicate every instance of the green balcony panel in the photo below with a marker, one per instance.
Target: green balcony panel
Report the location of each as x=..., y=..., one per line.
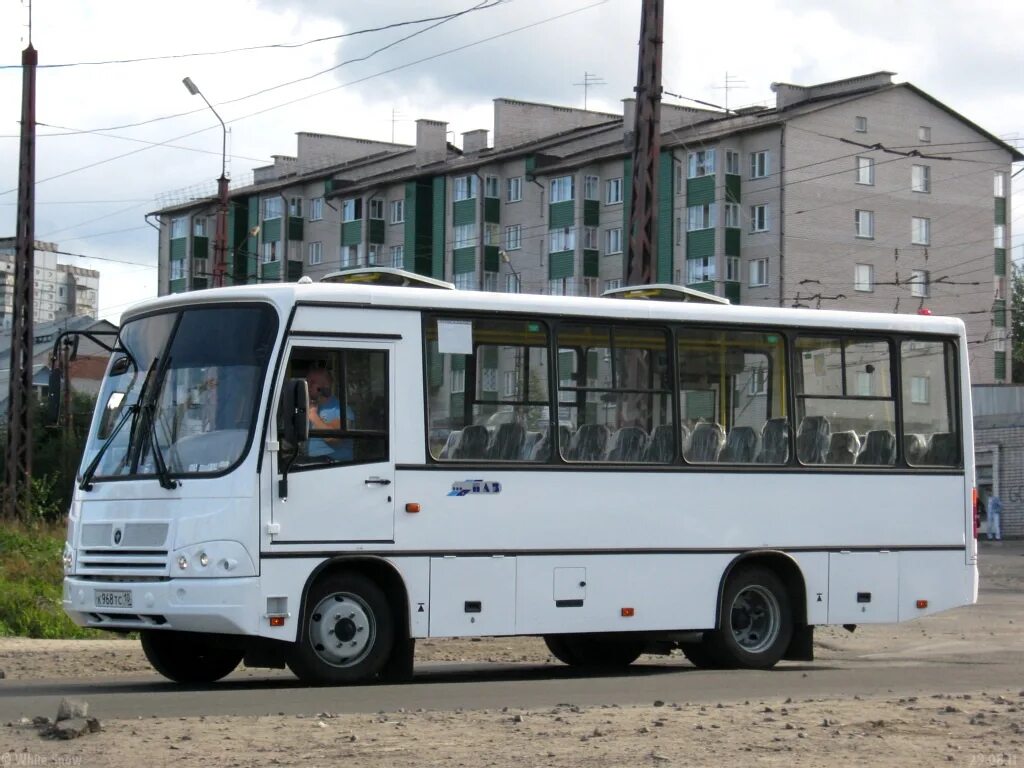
x=458, y=362
x=529, y=167
x=560, y=264
x=418, y=222
x=199, y=283
x=561, y=214
x=700, y=191
x=455, y=407
x=463, y=260
x=376, y=233
x=591, y=213
x=492, y=258
x=352, y=232
x=463, y=212
x=591, y=263
x=700, y=243
x=179, y=286
x=270, y=231
x=271, y=271
x=492, y=210
x=1000, y=262
x=437, y=228
x=732, y=188
x=296, y=227
x=999, y=313
x=179, y=248
x=707, y=286
x=1000, y=210
x=732, y=292
x=435, y=361
x=732, y=242
x=200, y=247
x=1000, y=365
x=662, y=268
x=294, y=270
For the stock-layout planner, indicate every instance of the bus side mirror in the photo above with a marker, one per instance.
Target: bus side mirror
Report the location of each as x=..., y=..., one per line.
x=54, y=390
x=295, y=412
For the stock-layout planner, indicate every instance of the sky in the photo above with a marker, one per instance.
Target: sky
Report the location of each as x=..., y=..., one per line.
x=98, y=173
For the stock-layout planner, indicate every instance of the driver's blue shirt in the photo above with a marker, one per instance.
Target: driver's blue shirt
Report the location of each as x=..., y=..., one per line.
x=330, y=410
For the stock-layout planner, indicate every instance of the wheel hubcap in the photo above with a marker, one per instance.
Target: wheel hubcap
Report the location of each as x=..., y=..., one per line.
x=342, y=629
x=755, y=618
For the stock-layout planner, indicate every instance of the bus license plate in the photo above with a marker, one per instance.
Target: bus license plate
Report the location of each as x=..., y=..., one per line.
x=113, y=598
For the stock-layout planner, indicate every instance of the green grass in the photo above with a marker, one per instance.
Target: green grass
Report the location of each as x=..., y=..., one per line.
x=30, y=582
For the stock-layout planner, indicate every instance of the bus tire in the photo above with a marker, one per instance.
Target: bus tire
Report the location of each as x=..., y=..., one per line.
x=184, y=658
x=595, y=651
x=347, y=631
x=756, y=621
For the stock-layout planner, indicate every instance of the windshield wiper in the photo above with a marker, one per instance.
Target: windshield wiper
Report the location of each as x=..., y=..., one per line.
x=162, y=473
x=87, y=475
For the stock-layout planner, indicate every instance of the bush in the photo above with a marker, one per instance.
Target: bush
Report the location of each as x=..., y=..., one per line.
x=31, y=574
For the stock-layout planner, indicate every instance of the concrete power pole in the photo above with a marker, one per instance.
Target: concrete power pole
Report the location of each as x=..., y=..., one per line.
x=643, y=205
x=19, y=402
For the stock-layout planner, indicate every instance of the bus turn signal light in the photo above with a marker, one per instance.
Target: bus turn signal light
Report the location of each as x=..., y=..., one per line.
x=277, y=621
x=627, y=612
x=412, y=507
x=922, y=603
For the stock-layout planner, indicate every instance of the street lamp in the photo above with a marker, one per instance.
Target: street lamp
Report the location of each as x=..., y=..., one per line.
x=519, y=281
x=220, y=242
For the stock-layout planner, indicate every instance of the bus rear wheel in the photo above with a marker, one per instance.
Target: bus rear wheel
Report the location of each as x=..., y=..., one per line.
x=756, y=622
x=186, y=658
x=594, y=650
x=347, y=632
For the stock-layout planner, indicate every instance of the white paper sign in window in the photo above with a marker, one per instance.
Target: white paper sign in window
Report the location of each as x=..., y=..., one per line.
x=455, y=337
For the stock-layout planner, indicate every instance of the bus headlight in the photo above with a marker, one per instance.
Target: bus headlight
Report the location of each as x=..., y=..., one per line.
x=213, y=559
x=183, y=562
x=204, y=559
x=68, y=558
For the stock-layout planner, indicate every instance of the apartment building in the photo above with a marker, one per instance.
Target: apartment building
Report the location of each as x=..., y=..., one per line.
x=60, y=290
x=859, y=194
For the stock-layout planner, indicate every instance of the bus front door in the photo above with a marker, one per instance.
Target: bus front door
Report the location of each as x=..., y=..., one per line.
x=340, y=486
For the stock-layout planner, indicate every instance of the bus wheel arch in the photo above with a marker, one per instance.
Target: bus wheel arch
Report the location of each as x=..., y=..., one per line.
x=380, y=575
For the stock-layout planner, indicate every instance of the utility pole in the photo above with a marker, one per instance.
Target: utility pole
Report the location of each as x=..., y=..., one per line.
x=643, y=208
x=19, y=402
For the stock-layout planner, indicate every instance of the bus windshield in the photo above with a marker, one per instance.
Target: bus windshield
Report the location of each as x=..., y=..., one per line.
x=181, y=393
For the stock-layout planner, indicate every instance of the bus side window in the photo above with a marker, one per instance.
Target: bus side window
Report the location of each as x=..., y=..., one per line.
x=930, y=435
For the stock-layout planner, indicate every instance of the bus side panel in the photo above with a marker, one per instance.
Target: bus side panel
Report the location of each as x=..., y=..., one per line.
x=588, y=593
x=932, y=576
x=814, y=569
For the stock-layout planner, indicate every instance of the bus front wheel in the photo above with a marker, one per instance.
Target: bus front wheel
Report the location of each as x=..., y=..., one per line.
x=185, y=658
x=594, y=650
x=756, y=622
x=347, y=632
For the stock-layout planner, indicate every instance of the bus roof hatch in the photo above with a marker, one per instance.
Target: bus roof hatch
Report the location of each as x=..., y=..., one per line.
x=386, y=276
x=663, y=292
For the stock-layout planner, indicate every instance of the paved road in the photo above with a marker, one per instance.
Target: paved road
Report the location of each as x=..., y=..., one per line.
x=972, y=649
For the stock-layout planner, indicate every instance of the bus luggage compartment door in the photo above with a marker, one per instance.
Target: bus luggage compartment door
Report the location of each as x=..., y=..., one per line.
x=863, y=587
x=472, y=596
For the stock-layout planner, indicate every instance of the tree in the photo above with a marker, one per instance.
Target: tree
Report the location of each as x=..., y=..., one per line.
x=1017, y=322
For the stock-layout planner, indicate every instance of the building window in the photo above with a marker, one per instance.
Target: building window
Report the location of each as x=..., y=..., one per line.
x=377, y=209
x=591, y=188
x=757, y=273
x=179, y=227
x=491, y=283
x=464, y=236
x=397, y=211
x=920, y=231
x=919, y=281
x=272, y=208
x=562, y=189
x=613, y=191
x=348, y=256
x=457, y=380
x=562, y=239
x=759, y=164
x=464, y=187
x=513, y=237
x=268, y=253
x=700, y=270
x=316, y=254
x=999, y=236
x=613, y=241
x=732, y=268
x=492, y=234
x=613, y=284
x=177, y=269
x=732, y=162
x=465, y=281
x=295, y=207
x=491, y=186
x=919, y=389
x=514, y=189
x=199, y=226
x=512, y=283
x=352, y=209
x=860, y=124
x=316, y=208
x=590, y=238
x=700, y=164
x=373, y=254
x=999, y=179
x=864, y=223
x=865, y=170
x=999, y=341
x=864, y=277
x=759, y=218
x=700, y=217
x=924, y=134
x=921, y=178
x=398, y=256
x=732, y=215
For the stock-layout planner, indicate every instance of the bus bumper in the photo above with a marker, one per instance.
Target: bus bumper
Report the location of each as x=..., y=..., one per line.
x=226, y=606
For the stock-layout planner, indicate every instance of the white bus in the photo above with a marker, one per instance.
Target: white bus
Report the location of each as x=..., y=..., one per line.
x=316, y=475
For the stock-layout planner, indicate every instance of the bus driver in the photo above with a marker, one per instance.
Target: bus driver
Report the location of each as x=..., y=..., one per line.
x=325, y=414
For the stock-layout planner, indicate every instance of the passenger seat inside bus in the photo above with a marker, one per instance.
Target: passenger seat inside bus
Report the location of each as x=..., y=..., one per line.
x=507, y=443
x=530, y=444
x=812, y=439
x=705, y=442
x=589, y=443
x=451, y=444
x=629, y=445
x=474, y=442
x=660, y=449
x=774, y=442
x=915, y=448
x=741, y=446
x=942, y=450
x=879, y=448
x=843, y=448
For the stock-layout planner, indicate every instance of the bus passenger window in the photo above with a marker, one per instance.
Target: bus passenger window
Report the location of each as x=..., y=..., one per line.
x=930, y=436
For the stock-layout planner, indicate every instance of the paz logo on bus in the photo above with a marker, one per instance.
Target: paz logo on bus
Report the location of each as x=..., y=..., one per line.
x=466, y=487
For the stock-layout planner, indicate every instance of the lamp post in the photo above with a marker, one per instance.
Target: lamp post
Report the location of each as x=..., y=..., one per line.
x=220, y=241
x=505, y=258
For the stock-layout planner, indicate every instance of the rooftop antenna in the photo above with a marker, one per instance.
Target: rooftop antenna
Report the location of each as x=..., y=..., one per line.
x=396, y=117
x=731, y=83
x=589, y=80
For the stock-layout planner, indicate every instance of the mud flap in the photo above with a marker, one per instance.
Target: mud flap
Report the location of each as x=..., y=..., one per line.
x=399, y=665
x=801, y=647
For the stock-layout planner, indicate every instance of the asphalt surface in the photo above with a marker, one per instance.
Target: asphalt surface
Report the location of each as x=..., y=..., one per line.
x=971, y=649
